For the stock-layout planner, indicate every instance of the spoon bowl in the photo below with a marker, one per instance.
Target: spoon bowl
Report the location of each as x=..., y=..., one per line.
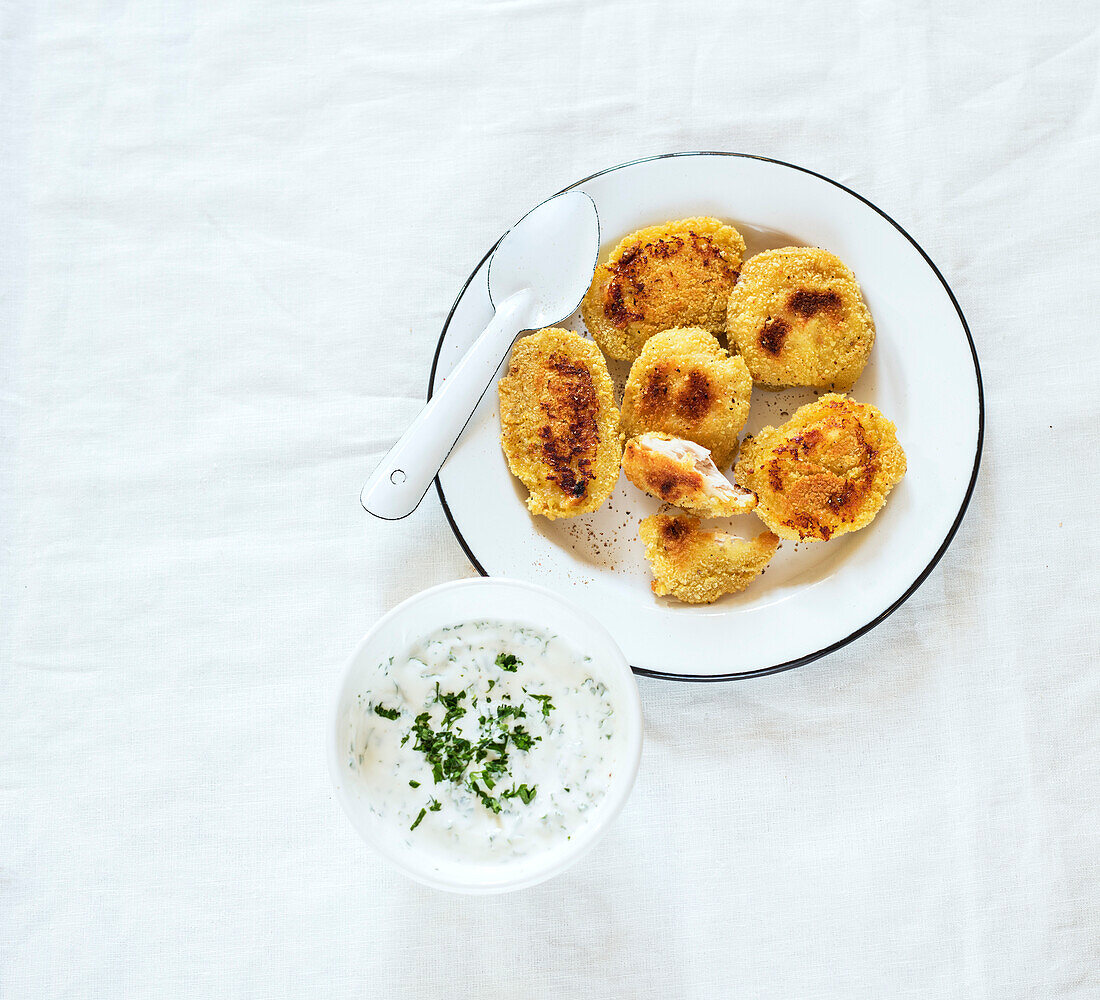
x=552, y=252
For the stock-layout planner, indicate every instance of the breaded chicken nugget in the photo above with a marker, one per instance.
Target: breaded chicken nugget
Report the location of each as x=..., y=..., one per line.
x=682, y=473
x=676, y=274
x=798, y=318
x=697, y=565
x=685, y=384
x=559, y=426
x=824, y=472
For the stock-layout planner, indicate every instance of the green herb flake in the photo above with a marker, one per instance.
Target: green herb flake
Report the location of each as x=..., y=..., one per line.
x=547, y=704
x=522, y=739
x=420, y=816
x=524, y=793
x=387, y=713
x=508, y=662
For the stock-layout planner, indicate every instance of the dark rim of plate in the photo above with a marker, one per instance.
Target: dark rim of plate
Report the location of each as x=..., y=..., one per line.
x=809, y=657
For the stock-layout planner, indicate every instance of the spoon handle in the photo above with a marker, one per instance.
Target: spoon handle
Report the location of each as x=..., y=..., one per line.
x=397, y=486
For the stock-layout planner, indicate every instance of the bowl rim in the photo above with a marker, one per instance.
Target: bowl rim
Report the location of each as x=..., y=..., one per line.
x=621, y=786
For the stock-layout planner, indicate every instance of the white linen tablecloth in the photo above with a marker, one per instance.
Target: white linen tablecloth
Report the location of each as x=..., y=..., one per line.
x=230, y=234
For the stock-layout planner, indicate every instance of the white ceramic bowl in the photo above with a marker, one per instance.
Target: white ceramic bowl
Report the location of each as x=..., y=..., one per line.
x=450, y=604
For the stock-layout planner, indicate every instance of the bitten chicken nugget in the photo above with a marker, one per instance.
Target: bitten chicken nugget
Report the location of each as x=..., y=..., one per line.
x=682, y=473
x=826, y=471
x=684, y=383
x=697, y=565
x=676, y=274
x=798, y=318
x=559, y=426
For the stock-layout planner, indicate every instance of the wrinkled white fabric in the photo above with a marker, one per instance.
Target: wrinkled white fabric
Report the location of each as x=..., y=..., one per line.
x=230, y=234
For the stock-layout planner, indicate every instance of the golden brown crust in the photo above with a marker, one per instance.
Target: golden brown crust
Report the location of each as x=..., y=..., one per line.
x=797, y=317
x=826, y=471
x=697, y=565
x=675, y=476
x=685, y=384
x=676, y=274
x=559, y=424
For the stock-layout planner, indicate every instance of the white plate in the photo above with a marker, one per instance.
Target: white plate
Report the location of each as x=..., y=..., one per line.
x=814, y=597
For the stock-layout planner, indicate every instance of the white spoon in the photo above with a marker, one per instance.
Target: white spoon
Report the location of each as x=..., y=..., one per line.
x=538, y=275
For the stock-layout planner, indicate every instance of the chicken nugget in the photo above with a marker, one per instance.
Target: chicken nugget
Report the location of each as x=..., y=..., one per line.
x=676, y=274
x=697, y=565
x=682, y=473
x=559, y=426
x=686, y=384
x=826, y=471
x=797, y=317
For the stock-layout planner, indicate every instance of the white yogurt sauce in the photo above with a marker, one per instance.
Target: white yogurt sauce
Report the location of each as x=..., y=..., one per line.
x=552, y=703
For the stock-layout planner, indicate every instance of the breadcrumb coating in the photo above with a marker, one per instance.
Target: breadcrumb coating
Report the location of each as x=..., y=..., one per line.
x=684, y=383
x=825, y=472
x=559, y=426
x=797, y=317
x=697, y=565
x=676, y=274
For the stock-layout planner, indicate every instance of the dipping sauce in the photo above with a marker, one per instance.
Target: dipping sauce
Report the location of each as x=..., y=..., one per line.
x=486, y=741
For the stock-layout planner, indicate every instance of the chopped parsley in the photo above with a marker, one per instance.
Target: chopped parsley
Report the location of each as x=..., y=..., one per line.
x=480, y=765
x=523, y=793
x=522, y=739
x=508, y=661
x=451, y=702
x=547, y=704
